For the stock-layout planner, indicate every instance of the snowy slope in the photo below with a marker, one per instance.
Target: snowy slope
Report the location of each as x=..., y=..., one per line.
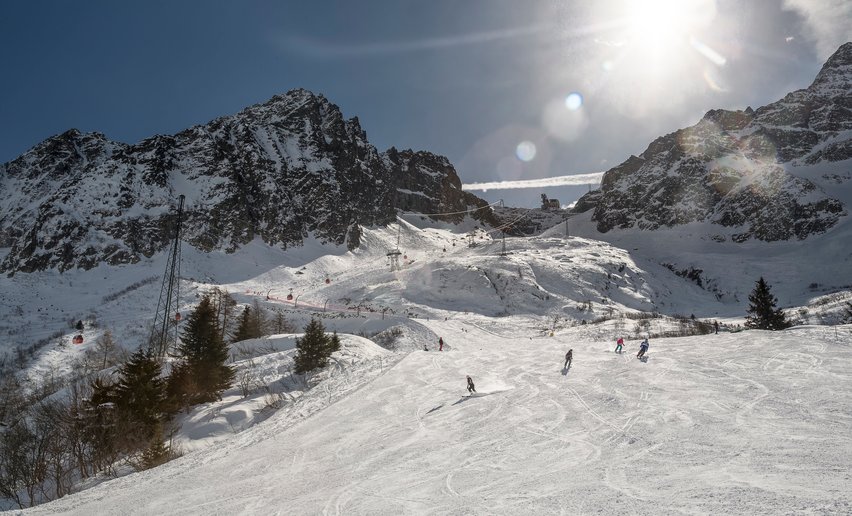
x=552, y=280
x=751, y=423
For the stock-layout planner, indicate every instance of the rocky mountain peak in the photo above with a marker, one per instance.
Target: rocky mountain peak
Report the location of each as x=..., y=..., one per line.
x=743, y=174
x=835, y=77
x=279, y=171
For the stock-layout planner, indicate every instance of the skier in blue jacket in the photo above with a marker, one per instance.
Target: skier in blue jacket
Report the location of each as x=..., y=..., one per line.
x=643, y=347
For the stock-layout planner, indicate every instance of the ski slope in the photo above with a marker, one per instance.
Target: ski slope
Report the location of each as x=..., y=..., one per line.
x=746, y=423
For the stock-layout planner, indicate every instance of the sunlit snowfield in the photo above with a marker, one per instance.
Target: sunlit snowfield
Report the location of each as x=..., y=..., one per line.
x=749, y=423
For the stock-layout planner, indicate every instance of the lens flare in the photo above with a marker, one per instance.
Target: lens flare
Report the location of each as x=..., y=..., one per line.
x=564, y=124
x=525, y=151
x=713, y=56
x=574, y=101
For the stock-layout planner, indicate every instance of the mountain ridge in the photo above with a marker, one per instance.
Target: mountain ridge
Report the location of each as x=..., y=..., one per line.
x=744, y=173
x=280, y=170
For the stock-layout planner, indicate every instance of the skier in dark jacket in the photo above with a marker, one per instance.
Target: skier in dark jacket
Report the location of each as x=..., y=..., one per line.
x=440, y=343
x=568, y=357
x=470, y=388
x=643, y=347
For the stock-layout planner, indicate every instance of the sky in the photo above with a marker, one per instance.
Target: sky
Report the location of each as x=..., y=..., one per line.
x=508, y=91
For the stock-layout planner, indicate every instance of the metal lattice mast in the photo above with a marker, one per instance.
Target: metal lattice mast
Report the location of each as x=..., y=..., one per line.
x=393, y=256
x=164, y=330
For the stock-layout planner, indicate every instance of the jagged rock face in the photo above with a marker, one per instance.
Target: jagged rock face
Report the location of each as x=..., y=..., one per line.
x=280, y=171
x=421, y=177
x=748, y=171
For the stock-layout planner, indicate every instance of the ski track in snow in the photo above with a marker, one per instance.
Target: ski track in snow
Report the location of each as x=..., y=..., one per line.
x=713, y=424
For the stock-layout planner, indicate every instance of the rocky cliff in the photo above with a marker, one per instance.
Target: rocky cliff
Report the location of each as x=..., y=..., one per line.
x=753, y=174
x=279, y=171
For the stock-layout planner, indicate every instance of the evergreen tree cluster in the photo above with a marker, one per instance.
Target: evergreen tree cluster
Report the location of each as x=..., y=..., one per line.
x=254, y=323
x=49, y=443
x=762, y=311
x=315, y=347
x=200, y=374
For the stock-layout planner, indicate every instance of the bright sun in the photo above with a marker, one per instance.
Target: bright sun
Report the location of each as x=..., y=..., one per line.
x=661, y=28
x=653, y=53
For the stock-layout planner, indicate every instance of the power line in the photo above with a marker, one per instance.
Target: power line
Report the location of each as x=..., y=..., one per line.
x=452, y=212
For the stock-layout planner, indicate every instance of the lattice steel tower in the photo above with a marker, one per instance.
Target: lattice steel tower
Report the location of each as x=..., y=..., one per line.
x=164, y=331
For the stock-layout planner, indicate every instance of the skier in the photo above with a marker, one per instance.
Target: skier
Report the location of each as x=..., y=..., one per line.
x=470, y=388
x=440, y=343
x=425, y=348
x=716, y=325
x=643, y=347
x=568, y=357
x=618, y=344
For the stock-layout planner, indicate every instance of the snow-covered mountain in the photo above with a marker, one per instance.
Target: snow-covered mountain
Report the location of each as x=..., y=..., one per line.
x=281, y=171
x=779, y=172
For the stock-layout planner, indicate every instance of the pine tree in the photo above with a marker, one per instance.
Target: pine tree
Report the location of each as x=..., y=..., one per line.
x=139, y=395
x=281, y=325
x=202, y=374
x=314, y=348
x=245, y=326
x=763, y=314
x=156, y=453
x=252, y=323
x=333, y=344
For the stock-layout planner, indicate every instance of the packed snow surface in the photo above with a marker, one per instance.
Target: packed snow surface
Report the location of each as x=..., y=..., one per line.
x=747, y=423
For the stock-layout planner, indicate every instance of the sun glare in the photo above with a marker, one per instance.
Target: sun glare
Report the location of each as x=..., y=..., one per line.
x=658, y=27
x=651, y=50
x=653, y=25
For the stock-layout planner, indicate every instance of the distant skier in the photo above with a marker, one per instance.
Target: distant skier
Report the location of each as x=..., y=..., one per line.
x=618, y=344
x=425, y=348
x=440, y=343
x=470, y=388
x=568, y=357
x=643, y=347
x=716, y=325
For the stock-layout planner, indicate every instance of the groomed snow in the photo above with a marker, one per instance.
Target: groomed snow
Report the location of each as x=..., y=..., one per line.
x=745, y=423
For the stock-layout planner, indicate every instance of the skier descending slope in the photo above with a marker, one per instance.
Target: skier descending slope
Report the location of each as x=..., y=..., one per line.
x=568, y=357
x=618, y=344
x=440, y=343
x=470, y=387
x=643, y=347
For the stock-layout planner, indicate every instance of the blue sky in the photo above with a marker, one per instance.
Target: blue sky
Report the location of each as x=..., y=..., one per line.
x=483, y=82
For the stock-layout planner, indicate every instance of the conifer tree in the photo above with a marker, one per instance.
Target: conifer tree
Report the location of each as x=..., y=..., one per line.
x=156, y=453
x=763, y=314
x=313, y=349
x=333, y=343
x=252, y=323
x=202, y=374
x=244, y=327
x=139, y=394
x=281, y=325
